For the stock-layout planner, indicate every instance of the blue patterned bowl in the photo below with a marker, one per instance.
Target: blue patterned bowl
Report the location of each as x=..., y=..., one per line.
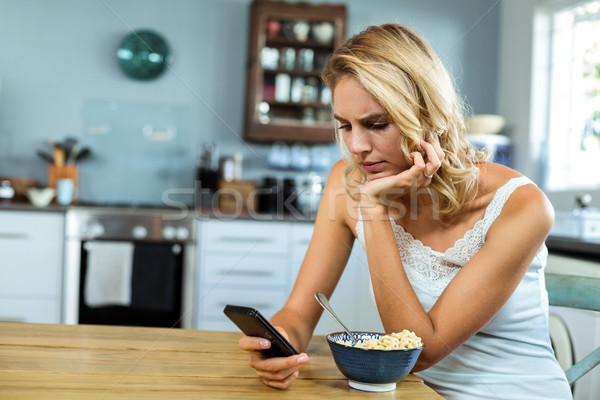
x=367, y=369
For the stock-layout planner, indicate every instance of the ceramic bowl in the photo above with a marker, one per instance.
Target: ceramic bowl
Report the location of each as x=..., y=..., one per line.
x=371, y=370
x=40, y=197
x=484, y=123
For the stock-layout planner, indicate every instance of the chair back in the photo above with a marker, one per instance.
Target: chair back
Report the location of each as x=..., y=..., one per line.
x=582, y=292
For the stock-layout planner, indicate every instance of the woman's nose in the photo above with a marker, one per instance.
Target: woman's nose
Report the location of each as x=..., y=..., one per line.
x=358, y=142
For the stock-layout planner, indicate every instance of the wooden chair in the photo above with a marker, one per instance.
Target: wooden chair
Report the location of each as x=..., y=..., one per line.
x=581, y=292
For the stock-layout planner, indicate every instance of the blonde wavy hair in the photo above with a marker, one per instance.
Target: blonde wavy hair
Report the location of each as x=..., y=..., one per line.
x=404, y=75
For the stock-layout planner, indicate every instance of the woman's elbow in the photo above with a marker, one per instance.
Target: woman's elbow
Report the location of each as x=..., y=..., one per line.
x=426, y=360
x=421, y=365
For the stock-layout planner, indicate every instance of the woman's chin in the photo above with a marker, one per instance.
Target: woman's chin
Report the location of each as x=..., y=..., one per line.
x=378, y=175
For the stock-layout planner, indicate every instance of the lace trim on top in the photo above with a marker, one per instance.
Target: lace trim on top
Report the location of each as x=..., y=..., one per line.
x=431, y=271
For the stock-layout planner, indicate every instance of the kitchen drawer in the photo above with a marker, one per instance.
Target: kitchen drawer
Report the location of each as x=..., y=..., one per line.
x=244, y=270
x=244, y=237
x=213, y=301
x=31, y=245
x=30, y=310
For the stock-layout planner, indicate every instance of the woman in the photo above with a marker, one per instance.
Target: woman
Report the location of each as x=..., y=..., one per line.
x=455, y=244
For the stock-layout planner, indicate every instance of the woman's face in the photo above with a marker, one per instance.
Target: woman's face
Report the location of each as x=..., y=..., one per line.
x=367, y=130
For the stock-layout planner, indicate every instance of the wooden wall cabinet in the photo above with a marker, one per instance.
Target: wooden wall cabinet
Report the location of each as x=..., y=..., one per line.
x=289, y=46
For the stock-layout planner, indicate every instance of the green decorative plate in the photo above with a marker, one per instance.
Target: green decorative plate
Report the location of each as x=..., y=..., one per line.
x=143, y=54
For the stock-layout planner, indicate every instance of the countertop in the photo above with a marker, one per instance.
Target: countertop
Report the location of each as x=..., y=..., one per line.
x=200, y=213
x=26, y=206
x=46, y=361
x=573, y=247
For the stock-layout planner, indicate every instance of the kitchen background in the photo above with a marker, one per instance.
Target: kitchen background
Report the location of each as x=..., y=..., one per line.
x=60, y=77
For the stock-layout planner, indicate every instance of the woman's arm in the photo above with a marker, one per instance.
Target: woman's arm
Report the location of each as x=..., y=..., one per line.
x=321, y=269
x=476, y=293
x=323, y=264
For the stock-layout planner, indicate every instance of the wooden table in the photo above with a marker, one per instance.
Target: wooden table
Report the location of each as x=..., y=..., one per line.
x=44, y=361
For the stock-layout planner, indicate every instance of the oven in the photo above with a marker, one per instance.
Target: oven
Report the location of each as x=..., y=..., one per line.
x=129, y=266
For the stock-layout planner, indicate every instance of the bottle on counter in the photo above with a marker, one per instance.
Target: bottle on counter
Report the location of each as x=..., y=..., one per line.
x=207, y=175
x=227, y=169
x=238, y=160
x=290, y=196
x=268, y=195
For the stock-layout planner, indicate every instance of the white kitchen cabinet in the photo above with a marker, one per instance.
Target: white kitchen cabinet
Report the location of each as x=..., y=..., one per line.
x=255, y=263
x=240, y=262
x=31, y=251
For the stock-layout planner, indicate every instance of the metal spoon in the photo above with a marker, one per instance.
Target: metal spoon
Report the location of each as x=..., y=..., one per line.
x=325, y=304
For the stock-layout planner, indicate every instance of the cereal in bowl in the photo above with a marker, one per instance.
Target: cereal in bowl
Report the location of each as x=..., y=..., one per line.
x=394, y=341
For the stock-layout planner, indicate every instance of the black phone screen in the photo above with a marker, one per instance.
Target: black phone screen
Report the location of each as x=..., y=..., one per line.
x=252, y=323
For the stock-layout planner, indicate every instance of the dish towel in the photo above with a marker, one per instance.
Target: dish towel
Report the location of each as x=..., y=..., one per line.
x=108, y=276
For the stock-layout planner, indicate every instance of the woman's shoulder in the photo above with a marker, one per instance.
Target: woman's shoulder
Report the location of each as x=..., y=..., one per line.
x=524, y=201
x=493, y=176
x=335, y=179
x=340, y=203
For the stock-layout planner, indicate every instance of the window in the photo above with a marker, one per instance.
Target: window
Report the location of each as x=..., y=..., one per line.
x=572, y=76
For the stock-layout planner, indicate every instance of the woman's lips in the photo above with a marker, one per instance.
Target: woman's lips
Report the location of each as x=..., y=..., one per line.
x=368, y=166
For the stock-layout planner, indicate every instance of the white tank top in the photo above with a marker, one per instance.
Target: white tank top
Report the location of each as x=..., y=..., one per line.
x=511, y=357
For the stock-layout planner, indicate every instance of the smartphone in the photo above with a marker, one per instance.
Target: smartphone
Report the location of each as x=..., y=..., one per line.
x=252, y=323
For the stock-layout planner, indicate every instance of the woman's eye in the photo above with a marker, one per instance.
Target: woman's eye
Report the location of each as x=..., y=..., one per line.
x=344, y=127
x=379, y=126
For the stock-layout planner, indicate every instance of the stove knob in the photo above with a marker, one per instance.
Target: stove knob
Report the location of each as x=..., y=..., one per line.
x=95, y=230
x=169, y=232
x=139, y=232
x=183, y=233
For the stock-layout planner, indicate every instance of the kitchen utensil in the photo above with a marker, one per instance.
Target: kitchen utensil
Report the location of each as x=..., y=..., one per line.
x=58, y=155
x=72, y=153
x=45, y=156
x=68, y=144
x=83, y=154
x=322, y=300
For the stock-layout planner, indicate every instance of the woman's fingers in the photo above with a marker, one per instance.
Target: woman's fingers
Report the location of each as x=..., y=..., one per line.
x=273, y=365
x=278, y=372
x=251, y=343
x=283, y=384
x=434, y=157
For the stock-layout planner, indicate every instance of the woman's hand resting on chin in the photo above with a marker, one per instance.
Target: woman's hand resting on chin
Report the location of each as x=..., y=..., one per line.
x=377, y=194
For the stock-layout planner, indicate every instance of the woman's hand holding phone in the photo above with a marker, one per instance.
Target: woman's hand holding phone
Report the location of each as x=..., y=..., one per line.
x=277, y=372
x=276, y=361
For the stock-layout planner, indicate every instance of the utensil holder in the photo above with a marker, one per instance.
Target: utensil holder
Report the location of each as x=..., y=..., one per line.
x=55, y=173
